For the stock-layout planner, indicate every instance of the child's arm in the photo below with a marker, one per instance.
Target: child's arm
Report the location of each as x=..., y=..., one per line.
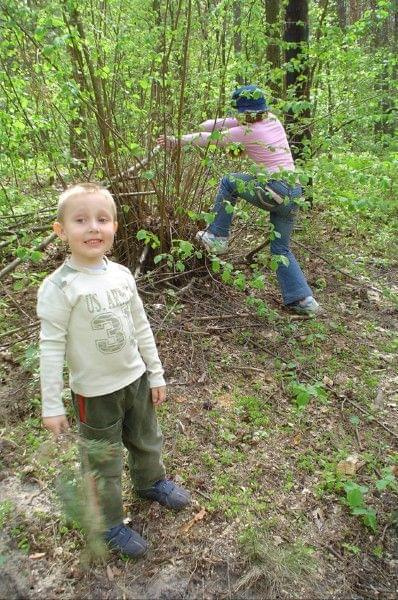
x=202, y=138
x=147, y=347
x=53, y=310
x=216, y=124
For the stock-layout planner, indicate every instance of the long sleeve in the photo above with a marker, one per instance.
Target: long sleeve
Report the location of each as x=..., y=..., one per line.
x=223, y=127
x=53, y=311
x=146, y=341
x=199, y=138
x=223, y=137
x=265, y=141
x=217, y=124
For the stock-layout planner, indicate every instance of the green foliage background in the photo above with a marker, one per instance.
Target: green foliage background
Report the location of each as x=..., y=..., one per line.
x=85, y=88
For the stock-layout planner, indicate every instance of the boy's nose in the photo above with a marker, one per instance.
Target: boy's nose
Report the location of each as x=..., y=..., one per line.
x=94, y=226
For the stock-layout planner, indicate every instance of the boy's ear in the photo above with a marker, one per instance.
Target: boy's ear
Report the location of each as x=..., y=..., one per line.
x=116, y=225
x=59, y=230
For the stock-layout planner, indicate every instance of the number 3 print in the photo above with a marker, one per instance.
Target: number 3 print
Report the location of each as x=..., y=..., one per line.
x=112, y=325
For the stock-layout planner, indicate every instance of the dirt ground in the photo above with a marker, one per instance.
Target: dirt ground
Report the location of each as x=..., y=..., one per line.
x=269, y=517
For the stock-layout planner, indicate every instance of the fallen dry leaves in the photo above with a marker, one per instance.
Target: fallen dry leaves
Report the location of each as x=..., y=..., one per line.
x=37, y=555
x=350, y=465
x=198, y=517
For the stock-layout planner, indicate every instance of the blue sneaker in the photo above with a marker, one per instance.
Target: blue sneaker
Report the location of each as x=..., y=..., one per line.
x=126, y=540
x=167, y=493
x=309, y=306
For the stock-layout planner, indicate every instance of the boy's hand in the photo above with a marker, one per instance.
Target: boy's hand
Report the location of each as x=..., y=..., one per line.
x=158, y=394
x=56, y=425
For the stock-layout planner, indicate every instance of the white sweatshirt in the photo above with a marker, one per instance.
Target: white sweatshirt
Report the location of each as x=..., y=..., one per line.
x=97, y=320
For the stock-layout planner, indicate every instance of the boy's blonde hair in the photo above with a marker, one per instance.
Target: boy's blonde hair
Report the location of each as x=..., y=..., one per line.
x=83, y=188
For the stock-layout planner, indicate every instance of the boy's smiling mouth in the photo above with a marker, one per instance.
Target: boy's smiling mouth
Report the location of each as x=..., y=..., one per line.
x=93, y=242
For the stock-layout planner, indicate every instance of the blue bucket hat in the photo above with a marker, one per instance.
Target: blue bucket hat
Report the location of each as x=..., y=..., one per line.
x=249, y=98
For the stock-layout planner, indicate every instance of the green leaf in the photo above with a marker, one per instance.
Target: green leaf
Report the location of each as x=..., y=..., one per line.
x=208, y=217
x=142, y=234
x=355, y=497
x=368, y=515
x=160, y=257
x=258, y=282
x=215, y=135
x=355, y=494
x=226, y=276
x=215, y=265
x=22, y=253
x=35, y=256
x=229, y=208
x=239, y=281
x=388, y=480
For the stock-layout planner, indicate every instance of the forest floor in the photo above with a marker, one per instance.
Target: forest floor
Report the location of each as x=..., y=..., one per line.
x=268, y=418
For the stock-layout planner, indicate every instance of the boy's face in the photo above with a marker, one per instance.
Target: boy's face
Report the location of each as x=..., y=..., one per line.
x=88, y=227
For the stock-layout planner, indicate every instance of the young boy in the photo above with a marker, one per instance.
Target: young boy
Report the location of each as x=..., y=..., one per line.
x=91, y=313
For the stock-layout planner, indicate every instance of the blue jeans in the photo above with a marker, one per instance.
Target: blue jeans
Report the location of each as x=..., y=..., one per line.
x=291, y=279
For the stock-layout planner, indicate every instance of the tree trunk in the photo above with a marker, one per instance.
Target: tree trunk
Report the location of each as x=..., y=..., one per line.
x=156, y=92
x=77, y=129
x=237, y=39
x=272, y=16
x=103, y=119
x=296, y=80
x=382, y=125
x=355, y=11
x=342, y=14
x=273, y=53
x=223, y=51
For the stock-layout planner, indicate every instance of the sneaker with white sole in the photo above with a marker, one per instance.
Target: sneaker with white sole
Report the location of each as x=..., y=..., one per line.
x=213, y=243
x=308, y=306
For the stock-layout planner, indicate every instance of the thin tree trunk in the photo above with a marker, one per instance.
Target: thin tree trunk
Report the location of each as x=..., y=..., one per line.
x=77, y=138
x=297, y=78
x=381, y=43
x=223, y=58
x=355, y=11
x=100, y=102
x=342, y=14
x=184, y=67
x=273, y=54
x=155, y=98
x=238, y=38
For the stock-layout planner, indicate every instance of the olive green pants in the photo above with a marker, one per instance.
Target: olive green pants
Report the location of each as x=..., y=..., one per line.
x=127, y=417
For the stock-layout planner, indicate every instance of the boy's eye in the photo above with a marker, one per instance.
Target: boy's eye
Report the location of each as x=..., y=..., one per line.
x=80, y=220
x=103, y=220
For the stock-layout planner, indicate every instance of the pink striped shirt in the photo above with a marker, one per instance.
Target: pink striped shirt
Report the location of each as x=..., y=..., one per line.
x=265, y=142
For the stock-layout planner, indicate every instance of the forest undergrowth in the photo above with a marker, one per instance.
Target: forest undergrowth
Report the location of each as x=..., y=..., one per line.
x=284, y=428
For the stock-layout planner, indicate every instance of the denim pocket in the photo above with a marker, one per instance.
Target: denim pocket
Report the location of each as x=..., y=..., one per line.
x=280, y=187
x=296, y=191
